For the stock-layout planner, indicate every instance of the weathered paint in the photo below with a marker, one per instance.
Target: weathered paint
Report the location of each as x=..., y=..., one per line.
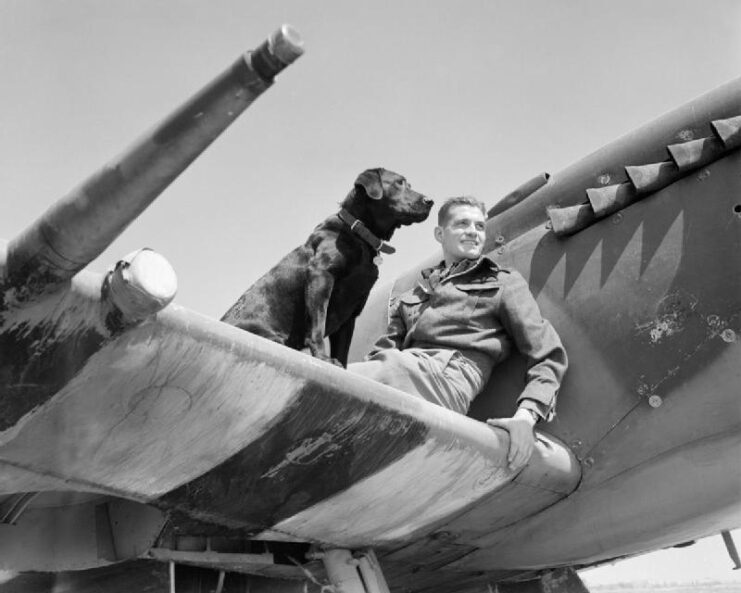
x=648, y=305
x=321, y=443
x=77, y=228
x=144, y=397
x=44, y=343
x=697, y=153
x=247, y=434
x=224, y=92
x=611, y=198
x=729, y=131
x=646, y=144
x=643, y=180
x=643, y=299
x=448, y=480
x=654, y=176
x=672, y=313
x=569, y=220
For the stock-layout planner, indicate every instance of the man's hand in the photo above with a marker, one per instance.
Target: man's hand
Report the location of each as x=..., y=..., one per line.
x=521, y=437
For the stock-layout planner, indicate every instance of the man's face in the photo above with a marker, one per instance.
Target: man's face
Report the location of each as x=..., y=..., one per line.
x=463, y=234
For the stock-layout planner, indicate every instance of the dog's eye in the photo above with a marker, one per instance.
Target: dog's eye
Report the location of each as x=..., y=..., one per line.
x=401, y=182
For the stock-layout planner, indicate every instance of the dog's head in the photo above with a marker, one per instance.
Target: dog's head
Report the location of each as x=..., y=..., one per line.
x=390, y=199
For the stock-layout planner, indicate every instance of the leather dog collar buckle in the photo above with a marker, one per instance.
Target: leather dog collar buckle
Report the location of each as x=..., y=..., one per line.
x=356, y=226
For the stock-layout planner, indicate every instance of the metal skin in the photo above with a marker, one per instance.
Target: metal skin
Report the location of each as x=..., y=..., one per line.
x=648, y=303
x=44, y=345
x=126, y=442
x=518, y=195
x=81, y=225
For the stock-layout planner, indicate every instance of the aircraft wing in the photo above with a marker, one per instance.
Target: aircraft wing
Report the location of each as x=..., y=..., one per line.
x=124, y=426
x=194, y=417
x=129, y=430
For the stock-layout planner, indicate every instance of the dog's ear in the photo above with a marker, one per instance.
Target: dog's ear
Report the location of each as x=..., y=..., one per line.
x=370, y=180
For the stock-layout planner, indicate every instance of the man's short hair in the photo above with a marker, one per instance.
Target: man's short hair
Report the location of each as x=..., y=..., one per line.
x=442, y=214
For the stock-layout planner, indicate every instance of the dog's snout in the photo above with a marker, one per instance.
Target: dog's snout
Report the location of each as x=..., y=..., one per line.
x=427, y=201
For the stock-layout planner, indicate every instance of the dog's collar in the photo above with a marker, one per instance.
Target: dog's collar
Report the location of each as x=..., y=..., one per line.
x=357, y=227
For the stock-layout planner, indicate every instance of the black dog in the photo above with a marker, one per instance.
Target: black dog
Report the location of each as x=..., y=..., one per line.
x=319, y=289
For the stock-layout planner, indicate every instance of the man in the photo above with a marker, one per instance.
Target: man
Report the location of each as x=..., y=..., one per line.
x=463, y=318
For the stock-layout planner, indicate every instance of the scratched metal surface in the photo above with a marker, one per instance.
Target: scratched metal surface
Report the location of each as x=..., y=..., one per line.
x=649, y=304
x=192, y=415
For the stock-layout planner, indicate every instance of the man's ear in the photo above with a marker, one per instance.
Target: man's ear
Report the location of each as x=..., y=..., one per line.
x=438, y=234
x=370, y=181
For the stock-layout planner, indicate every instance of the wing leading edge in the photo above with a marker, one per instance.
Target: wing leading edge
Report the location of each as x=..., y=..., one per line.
x=189, y=415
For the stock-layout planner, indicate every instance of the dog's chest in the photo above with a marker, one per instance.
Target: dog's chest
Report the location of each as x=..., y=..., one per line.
x=353, y=289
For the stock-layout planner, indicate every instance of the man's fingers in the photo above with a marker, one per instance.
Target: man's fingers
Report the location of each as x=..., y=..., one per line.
x=518, y=456
x=521, y=441
x=515, y=452
x=514, y=463
x=522, y=457
x=514, y=449
x=520, y=450
x=518, y=461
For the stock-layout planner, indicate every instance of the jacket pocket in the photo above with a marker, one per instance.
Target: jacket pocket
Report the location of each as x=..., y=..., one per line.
x=412, y=305
x=477, y=299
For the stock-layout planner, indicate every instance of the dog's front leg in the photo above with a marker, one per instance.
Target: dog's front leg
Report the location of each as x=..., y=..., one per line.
x=339, y=341
x=319, y=287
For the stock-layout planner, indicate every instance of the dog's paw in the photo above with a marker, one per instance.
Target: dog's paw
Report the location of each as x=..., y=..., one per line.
x=321, y=355
x=330, y=360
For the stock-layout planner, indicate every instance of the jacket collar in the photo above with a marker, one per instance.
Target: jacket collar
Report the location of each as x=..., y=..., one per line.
x=460, y=268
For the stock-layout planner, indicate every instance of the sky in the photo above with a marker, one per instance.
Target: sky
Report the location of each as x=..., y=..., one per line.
x=462, y=97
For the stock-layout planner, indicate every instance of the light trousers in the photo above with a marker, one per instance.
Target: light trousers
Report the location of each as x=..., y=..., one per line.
x=443, y=377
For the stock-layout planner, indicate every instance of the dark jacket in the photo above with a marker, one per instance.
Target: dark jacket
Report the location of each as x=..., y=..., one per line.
x=482, y=311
